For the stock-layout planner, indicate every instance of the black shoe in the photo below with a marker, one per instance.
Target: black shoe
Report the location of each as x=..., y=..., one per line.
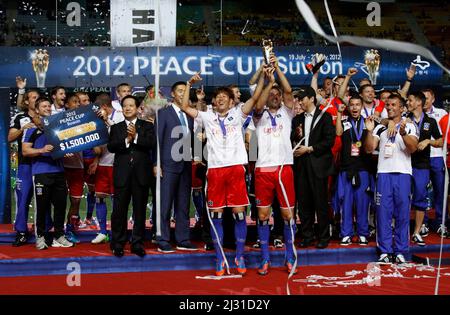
x=186, y=246
x=424, y=230
x=322, y=244
x=165, y=247
x=417, y=239
x=278, y=243
x=21, y=239
x=139, y=251
x=347, y=240
x=209, y=246
x=306, y=243
x=118, y=252
x=385, y=259
x=257, y=244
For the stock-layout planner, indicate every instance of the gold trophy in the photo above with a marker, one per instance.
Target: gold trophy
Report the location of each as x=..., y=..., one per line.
x=40, y=61
x=372, y=59
x=267, y=47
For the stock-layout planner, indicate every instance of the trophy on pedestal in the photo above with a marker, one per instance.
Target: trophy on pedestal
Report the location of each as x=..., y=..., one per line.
x=40, y=61
x=372, y=59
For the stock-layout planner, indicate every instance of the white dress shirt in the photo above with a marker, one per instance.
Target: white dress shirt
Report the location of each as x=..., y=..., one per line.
x=127, y=144
x=308, y=124
x=178, y=110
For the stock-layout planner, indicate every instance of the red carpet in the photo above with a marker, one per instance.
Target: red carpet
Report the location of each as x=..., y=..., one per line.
x=87, y=249
x=394, y=281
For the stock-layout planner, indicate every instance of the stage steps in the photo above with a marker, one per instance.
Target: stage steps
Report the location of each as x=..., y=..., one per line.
x=431, y=258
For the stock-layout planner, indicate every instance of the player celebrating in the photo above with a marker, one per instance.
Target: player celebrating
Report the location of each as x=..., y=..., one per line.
x=226, y=171
x=273, y=173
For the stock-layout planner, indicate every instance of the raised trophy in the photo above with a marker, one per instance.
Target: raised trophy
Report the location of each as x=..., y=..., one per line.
x=40, y=60
x=317, y=61
x=372, y=59
x=267, y=47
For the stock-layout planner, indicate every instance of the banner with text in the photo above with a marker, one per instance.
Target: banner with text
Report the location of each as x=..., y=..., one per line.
x=143, y=23
x=102, y=66
x=75, y=130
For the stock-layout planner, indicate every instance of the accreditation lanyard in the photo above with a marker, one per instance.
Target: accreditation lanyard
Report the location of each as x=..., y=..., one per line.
x=419, y=126
x=392, y=139
x=359, y=132
x=371, y=111
x=222, y=125
x=272, y=120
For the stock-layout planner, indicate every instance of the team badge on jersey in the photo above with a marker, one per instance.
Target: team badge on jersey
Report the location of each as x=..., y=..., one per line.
x=426, y=126
x=39, y=188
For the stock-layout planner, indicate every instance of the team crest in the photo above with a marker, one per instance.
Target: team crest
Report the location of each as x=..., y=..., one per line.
x=39, y=191
x=46, y=123
x=426, y=126
x=210, y=203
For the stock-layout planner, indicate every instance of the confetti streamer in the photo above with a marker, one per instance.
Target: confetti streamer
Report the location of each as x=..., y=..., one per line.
x=387, y=44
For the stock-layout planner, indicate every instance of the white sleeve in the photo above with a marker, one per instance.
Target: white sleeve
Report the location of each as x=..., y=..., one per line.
x=251, y=125
x=289, y=111
x=376, y=130
x=200, y=117
x=346, y=125
x=411, y=130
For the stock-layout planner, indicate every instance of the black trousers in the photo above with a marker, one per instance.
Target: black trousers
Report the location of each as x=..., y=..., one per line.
x=138, y=194
x=153, y=191
x=50, y=189
x=313, y=199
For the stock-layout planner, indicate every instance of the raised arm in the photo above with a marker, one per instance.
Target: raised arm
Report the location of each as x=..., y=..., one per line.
x=21, y=84
x=288, y=99
x=314, y=84
x=262, y=100
x=339, y=128
x=409, y=76
x=193, y=112
x=250, y=103
x=350, y=73
x=256, y=75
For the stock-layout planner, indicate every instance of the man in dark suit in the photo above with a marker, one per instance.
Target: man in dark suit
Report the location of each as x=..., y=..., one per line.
x=131, y=141
x=175, y=134
x=314, y=163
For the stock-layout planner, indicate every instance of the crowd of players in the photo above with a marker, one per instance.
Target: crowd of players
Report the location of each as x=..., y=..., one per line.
x=338, y=158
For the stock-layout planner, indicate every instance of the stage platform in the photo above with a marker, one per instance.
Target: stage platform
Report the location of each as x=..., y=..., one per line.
x=98, y=259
